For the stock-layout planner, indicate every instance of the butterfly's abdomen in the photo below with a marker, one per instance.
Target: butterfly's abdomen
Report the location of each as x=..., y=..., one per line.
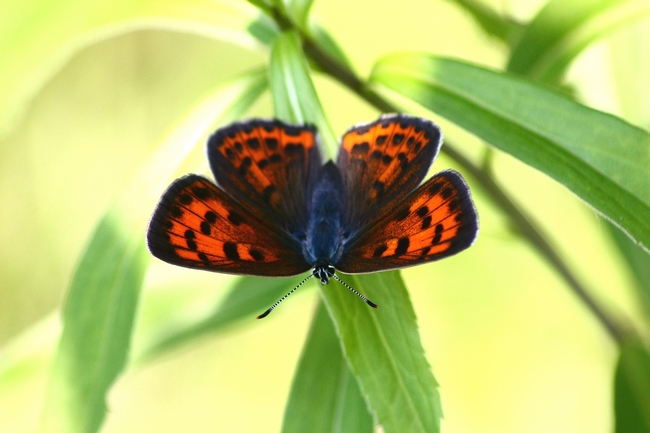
x=323, y=243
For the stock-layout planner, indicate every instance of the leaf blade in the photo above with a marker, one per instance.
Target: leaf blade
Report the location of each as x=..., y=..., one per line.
x=385, y=353
x=294, y=94
x=106, y=285
x=562, y=29
x=602, y=159
x=324, y=395
x=632, y=389
x=419, y=407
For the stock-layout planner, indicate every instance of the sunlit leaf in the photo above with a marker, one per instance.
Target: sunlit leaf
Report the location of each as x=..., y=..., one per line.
x=491, y=22
x=101, y=303
x=601, y=158
x=632, y=390
x=563, y=28
x=299, y=10
x=249, y=297
x=382, y=346
x=294, y=95
x=385, y=353
x=325, y=397
x=38, y=39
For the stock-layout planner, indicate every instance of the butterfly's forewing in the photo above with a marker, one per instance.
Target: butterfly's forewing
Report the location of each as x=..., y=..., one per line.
x=383, y=161
x=434, y=222
x=197, y=225
x=269, y=166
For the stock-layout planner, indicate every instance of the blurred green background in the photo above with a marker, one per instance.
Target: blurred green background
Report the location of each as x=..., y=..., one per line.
x=512, y=348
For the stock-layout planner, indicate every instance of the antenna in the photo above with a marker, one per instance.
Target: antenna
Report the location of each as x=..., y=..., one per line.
x=366, y=300
x=267, y=312
x=346, y=285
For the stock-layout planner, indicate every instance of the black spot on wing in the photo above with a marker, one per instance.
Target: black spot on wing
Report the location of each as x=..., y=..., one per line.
x=230, y=250
x=189, y=240
x=379, y=251
x=402, y=246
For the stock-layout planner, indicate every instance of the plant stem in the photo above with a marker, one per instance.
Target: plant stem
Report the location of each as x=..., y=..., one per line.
x=528, y=229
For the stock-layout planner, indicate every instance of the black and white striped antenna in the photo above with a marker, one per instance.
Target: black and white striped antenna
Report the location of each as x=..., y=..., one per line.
x=314, y=273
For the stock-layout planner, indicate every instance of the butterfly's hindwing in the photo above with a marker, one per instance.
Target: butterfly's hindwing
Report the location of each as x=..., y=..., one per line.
x=197, y=225
x=434, y=222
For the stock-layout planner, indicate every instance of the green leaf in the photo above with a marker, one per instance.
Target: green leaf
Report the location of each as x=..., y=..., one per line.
x=39, y=38
x=601, y=158
x=98, y=319
x=101, y=304
x=325, y=397
x=328, y=44
x=382, y=346
x=632, y=389
x=638, y=262
x=385, y=353
x=248, y=298
x=490, y=21
x=294, y=96
x=299, y=10
x=563, y=28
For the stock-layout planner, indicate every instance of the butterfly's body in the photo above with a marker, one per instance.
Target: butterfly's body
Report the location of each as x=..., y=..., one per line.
x=279, y=211
x=325, y=237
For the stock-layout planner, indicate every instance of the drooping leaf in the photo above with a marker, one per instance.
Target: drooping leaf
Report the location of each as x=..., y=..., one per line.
x=385, y=353
x=632, y=389
x=601, y=158
x=325, y=397
x=35, y=44
x=563, y=28
x=382, y=346
x=249, y=297
x=294, y=95
x=491, y=21
x=102, y=300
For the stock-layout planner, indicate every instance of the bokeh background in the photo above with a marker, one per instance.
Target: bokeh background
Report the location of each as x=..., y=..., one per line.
x=513, y=349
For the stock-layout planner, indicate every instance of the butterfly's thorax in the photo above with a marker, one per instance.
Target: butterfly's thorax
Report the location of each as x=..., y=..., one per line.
x=324, y=241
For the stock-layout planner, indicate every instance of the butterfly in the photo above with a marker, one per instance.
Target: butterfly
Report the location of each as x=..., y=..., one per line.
x=279, y=211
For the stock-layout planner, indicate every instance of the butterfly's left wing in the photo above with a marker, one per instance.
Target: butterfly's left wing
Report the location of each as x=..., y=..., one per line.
x=436, y=221
x=197, y=225
x=269, y=166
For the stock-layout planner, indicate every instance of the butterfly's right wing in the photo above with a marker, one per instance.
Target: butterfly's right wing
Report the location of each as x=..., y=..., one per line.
x=435, y=221
x=197, y=225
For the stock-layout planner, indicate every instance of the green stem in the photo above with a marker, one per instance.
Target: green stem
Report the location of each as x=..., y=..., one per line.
x=529, y=230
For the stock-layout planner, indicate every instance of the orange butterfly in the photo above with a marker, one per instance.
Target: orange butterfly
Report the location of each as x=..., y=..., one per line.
x=278, y=211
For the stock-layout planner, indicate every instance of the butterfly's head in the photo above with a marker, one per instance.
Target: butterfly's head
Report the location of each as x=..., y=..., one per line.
x=323, y=272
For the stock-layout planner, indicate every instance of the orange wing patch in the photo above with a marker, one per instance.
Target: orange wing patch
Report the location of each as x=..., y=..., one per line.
x=256, y=149
x=385, y=149
x=197, y=225
x=436, y=221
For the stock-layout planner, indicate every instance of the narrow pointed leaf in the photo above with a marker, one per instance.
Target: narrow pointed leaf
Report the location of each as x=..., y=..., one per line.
x=632, y=390
x=101, y=303
x=601, y=158
x=491, y=21
x=35, y=44
x=325, y=397
x=563, y=28
x=98, y=319
x=382, y=346
x=249, y=297
x=294, y=95
x=385, y=352
x=299, y=10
